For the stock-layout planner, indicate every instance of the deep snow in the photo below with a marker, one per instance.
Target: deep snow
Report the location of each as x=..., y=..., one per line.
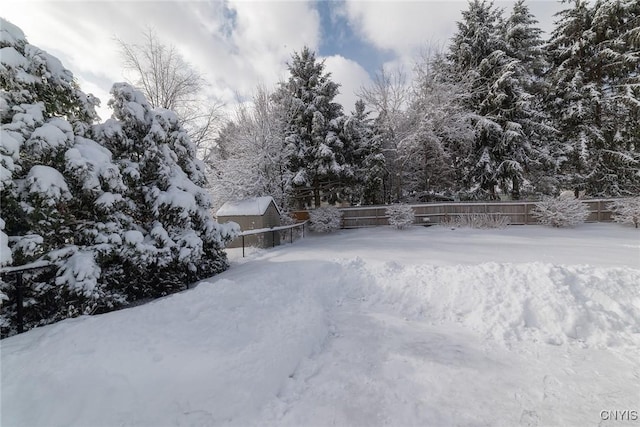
x=426, y=326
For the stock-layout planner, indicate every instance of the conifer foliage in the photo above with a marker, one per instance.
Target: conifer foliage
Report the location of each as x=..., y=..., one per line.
x=118, y=208
x=595, y=97
x=505, y=120
x=316, y=157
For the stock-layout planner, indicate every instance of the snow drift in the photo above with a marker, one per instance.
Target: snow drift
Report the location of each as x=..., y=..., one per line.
x=323, y=333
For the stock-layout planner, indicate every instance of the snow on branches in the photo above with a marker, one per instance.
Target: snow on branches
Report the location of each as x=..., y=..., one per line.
x=102, y=202
x=626, y=211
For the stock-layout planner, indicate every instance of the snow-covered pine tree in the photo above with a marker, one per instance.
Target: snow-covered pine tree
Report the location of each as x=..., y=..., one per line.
x=616, y=69
x=567, y=50
x=67, y=199
x=168, y=234
x=594, y=97
x=364, y=153
x=506, y=123
x=315, y=150
x=523, y=41
x=51, y=173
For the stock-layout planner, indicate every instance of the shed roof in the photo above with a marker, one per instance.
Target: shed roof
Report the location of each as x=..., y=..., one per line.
x=247, y=207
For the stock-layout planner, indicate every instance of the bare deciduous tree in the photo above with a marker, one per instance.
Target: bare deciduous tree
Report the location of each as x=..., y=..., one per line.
x=389, y=96
x=169, y=81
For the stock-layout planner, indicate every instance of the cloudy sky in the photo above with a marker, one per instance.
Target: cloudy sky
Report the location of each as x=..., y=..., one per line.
x=238, y=44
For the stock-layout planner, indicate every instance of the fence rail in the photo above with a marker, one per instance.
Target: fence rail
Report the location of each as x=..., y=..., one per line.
x=273, y=231
x=17, y=272
x=519, y=212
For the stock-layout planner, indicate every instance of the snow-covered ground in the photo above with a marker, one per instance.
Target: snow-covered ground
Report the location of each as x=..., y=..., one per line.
x=427, y=326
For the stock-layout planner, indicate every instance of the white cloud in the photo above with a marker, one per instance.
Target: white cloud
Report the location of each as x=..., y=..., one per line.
x=237, y=44
x=404, y=27
x=350, y=75
x=235, y=54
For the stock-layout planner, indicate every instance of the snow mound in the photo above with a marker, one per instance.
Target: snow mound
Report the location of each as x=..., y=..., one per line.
x=554, y=304
x=245, y=346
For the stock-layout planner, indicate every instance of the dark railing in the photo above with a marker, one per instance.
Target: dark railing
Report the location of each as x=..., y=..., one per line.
x=273, y=231
x=17, y=272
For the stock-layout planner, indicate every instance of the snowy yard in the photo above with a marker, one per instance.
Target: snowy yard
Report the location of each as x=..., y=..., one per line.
x=428, y=326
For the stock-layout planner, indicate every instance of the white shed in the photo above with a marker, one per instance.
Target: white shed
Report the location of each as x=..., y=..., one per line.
x=252, y=214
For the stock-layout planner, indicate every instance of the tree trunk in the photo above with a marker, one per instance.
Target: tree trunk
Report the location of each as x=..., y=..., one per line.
x=515, y=192
x=316, y=193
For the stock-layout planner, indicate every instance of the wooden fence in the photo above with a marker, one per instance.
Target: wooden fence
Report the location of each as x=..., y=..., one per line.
x=519, y=212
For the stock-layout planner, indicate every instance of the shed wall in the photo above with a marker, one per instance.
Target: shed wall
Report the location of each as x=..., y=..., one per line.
x=271, y=218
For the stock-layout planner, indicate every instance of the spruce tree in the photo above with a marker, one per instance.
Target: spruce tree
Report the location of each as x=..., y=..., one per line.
x=594, y=96
x=364, y=152
x=507, y=125
x=312, y=133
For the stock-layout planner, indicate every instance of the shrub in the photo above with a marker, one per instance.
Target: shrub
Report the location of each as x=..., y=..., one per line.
x=627, y=210
x=477, y=220
x=325, y=220
x=560, y=212
x=400, y=216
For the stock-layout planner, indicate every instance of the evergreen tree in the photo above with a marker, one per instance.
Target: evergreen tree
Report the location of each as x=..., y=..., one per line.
x=97, y=215
x=389, y=98
x=169, y=236
x=523, y=41
x=507, y=125
x=51, y=174
x=315, y=149
x=364, y=153
x=594, y=96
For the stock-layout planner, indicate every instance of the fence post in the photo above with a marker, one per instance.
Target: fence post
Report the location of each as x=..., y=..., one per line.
x=19, y=310
x=243, y=246
x=273, y=239
x=291, y=235
x=599, y=210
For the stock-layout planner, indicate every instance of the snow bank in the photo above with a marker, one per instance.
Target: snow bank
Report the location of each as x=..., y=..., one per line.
x=204, y=357
x=535, y=302
x=347, y=330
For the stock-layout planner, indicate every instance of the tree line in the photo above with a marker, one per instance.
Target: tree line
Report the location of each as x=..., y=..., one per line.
x=499, y=113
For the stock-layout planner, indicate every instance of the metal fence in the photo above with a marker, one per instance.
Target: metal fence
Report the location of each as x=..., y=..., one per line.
x=278, y=234
x=17, y=295
x=519, y=212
